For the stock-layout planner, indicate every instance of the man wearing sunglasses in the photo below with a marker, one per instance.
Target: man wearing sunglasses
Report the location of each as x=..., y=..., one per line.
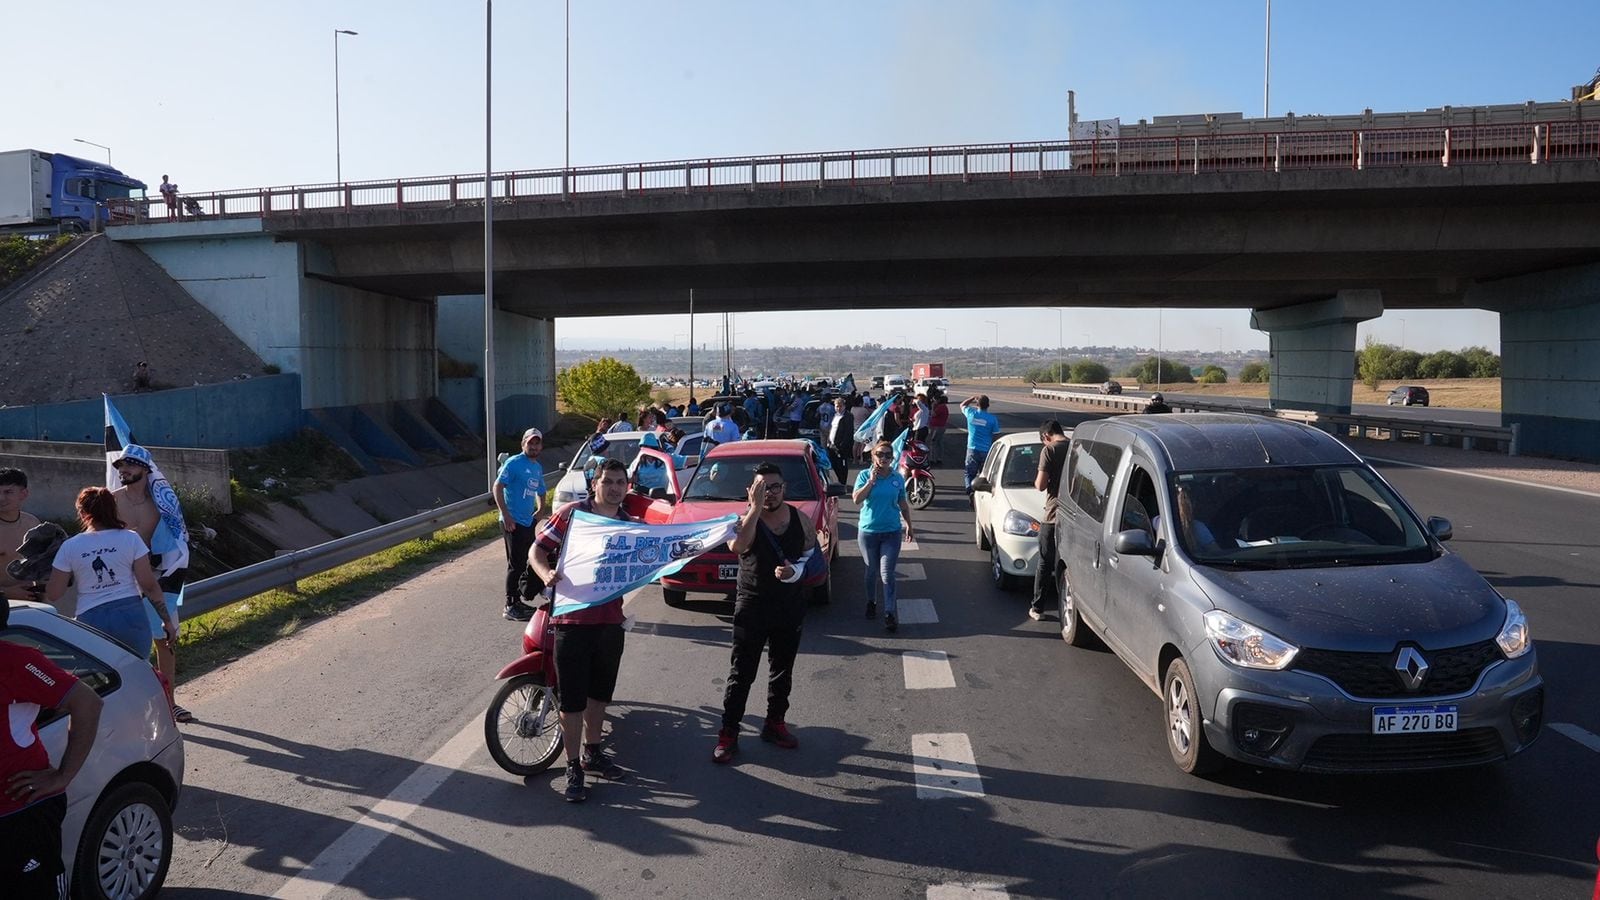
x=773, y=544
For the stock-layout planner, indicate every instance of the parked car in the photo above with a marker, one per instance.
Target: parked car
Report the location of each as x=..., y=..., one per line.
x=1007, y=509
x=1408, y=395
x=719, y=486
x=624, y=446
x=1111, y=387
x=117, y=835
x=1288, y=606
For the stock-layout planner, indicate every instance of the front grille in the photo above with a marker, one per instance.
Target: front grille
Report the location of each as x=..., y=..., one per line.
x=1450, y=671
x=1372, y=752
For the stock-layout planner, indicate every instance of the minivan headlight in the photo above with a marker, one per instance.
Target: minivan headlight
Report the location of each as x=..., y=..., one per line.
x=1020, y=523
x=1245, y=645
x=1514, y=638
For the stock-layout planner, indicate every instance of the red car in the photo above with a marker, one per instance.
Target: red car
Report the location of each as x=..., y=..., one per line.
x=719, y=486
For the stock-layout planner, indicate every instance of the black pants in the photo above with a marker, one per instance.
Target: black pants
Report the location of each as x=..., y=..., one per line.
x=1044, y=579
x=841, y=461
x=522, y=583
x=30, y=850
x=753, y=629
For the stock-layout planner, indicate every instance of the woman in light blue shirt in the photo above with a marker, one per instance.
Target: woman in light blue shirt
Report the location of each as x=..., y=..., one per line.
x=881, y=493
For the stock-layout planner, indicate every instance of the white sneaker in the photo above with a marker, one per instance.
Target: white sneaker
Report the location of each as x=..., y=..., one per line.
x=1035, y=615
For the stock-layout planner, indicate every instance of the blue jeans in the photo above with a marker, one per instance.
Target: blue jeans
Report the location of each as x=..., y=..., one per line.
x=881, y=550
x=124, y=621
x=975, y=460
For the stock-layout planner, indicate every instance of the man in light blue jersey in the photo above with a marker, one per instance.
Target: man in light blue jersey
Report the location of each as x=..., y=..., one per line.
x=982, y=427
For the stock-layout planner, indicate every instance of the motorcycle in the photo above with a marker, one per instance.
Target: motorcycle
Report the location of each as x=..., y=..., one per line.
x=914, y=468
x=523, y=724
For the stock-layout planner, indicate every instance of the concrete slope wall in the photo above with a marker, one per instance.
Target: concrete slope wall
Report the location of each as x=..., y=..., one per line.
x=58, y=470
x=227, y=415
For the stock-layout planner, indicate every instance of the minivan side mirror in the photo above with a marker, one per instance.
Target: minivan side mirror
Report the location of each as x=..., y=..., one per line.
x=982, y=484
x=1134, y=542
x=1439, y=527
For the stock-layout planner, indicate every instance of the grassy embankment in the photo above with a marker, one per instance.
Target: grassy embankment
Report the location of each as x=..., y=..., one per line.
x=1461, y=393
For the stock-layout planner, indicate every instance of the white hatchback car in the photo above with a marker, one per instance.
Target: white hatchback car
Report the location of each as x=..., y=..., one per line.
x=624, y=446
x=1008, y=509
x=117, y=837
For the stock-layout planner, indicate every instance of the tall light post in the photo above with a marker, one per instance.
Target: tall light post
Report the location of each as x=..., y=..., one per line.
x=691, y=342
x=1061, y=347
x=994, y=367
x=1402, y=334
x=338, y=162
x=488, y=232
x=944, y=337
x=1266, y=76
x=101, y=146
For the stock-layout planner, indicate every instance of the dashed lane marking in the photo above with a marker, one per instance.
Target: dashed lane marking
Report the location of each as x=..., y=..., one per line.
x=916, y=611
x=1585, y=738
x=967, y=892
x=911, y=572
x=927, y=669
x=944, y=766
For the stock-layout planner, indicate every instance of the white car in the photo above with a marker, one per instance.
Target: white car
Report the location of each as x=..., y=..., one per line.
x=624, y=446
x=116, y=840
x=1008, y=509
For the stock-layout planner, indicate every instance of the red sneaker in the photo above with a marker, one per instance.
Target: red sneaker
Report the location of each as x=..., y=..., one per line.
x=727, y=745
x=776, y=732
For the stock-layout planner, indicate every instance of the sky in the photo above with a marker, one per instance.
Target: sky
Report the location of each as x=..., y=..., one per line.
x=235, y=95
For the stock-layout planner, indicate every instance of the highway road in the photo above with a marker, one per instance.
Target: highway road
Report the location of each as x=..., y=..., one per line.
x=348, y=760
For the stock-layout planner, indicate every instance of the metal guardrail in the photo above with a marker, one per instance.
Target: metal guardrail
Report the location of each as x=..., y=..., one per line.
x=230, y=587
x=1503, y=438
x=1531, y=143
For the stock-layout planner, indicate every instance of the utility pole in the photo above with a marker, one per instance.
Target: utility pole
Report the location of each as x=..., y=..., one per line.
x=488, y=243
x=691, y=342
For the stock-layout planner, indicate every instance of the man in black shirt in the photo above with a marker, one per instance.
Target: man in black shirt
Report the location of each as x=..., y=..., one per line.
x=773, y=543
x=1051, y=461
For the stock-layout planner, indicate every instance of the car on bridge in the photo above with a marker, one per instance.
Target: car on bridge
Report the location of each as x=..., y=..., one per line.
x=1007, y=509
x=116, y=839
x=1407, y=395
x=1290, y=609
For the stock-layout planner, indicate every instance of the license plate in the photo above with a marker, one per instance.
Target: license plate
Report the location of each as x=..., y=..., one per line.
x=1413, y=719
x=728, y=573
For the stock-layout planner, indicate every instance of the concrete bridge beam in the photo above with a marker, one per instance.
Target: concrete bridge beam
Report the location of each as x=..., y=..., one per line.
x=525, y=365
x=1549, y=357
x=1313, y=349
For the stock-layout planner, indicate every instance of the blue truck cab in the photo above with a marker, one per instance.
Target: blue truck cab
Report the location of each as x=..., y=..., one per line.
x=59, y=191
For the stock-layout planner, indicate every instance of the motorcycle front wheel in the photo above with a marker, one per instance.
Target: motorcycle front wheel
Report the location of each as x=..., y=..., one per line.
x=919, y=491
x=523, y=726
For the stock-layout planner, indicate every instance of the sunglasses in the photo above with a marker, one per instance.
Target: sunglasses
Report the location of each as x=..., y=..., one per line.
x=774, y=488
x=883, y=456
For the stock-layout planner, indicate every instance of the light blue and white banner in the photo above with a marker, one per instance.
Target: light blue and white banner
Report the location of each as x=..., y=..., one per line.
x=869, y=428
x=602, y=558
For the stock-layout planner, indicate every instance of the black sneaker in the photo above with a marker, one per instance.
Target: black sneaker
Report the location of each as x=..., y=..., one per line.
x=576, y=792
x=517, y=611
x=595, y=759
x=890, y=622
x=872, y=609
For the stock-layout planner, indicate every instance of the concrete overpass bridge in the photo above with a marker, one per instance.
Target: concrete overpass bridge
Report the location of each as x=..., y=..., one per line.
x=355, y=285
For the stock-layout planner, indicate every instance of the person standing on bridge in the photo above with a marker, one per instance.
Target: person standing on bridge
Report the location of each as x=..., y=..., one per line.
x=519, y=493
x=982, y=426
x=169, y=196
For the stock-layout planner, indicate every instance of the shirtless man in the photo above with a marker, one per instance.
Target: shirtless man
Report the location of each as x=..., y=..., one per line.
x=138, y=511
x=14, y=524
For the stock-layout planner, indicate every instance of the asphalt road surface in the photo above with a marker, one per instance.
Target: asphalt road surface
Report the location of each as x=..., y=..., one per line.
x=970, y=754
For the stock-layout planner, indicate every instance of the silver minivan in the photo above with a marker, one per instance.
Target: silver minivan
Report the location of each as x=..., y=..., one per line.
x=1287, y=605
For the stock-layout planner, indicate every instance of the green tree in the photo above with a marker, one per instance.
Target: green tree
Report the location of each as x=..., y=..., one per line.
x=1040, y=374
x=1214, y=375
x=1444, y=364
x=601, y=387
x=1372, y=363
x=1403, y=365
x=1087, y=371
x=1172, y=372
x=1481, y=363
x=1255, y=373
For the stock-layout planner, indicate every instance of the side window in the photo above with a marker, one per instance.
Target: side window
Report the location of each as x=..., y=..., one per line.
x=1367, y=511
x=1139, y=504
x=1090, y=466
x=100, y=677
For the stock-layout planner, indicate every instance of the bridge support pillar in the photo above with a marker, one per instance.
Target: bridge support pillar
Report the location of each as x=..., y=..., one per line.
x=1549, y=358
x=524, y=363
x=1313, y=349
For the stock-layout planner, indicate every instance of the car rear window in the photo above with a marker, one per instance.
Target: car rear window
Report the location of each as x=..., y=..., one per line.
x=100, y=677
x=728, y=477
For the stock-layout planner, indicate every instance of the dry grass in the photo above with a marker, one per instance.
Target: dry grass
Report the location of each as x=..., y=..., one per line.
x=1460, y=393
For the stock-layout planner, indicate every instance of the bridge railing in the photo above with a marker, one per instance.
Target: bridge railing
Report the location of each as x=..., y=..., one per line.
x=1524, y=144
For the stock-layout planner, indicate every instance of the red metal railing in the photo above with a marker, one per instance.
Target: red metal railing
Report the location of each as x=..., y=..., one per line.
x=1525, y=144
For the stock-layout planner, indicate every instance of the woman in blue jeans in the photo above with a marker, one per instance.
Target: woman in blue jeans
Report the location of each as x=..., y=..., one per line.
x=881, y=493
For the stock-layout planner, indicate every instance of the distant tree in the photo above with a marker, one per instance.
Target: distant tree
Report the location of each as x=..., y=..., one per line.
x=601, y=387
x=1254, y=373
x=1172, y=372
x=1444, y=364
x=1042, y=374
x=1214, y=375
x=1481, y=363
x=1373, y=362
x=1403, y=365
x=1086, y=371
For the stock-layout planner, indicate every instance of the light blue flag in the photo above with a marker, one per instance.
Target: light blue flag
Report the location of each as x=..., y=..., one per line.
x=870, y=426
x=603, y=558
x=171, y=538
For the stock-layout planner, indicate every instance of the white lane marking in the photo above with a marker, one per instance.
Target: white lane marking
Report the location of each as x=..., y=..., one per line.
x=339, y=859
x=1578, y=734
x=909, y=546
x=944, y=766
x=967, y=892
x=916, y=611
x=1499, y=478
x=911, y=572
x=926, y=669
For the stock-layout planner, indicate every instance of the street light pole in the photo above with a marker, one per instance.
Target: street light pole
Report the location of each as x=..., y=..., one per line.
x=944, y=337
x=1061, y=346
x=338, y=162
x=691, y=342
x=1266, y=77
x=994, y=367
x=488, y=241
x=101, y=146
x=1402, y=334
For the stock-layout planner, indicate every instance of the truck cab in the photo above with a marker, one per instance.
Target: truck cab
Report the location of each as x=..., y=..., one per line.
x=84, y=192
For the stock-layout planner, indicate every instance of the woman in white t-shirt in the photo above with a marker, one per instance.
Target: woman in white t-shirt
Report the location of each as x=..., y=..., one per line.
x=110, y=566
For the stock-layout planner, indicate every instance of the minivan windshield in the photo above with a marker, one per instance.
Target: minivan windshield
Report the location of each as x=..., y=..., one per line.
x=1294, y=517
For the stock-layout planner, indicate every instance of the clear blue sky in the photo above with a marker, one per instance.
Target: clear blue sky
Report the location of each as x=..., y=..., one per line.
x=233, y=95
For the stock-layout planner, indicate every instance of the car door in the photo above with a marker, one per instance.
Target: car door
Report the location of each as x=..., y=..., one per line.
x=988, y=506
x=1135, y=585
x=640, y=505
x=1091, y=467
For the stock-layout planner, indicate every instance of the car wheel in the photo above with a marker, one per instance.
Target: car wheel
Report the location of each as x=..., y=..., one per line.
x=1186, y=734
x=674, y=597
x=979, y=535
x=1002, y=579
x=1073, y=630
x=523, y=726
x=126, y=845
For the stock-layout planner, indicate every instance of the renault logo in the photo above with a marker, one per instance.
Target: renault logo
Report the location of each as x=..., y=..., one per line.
x=1411, y=667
